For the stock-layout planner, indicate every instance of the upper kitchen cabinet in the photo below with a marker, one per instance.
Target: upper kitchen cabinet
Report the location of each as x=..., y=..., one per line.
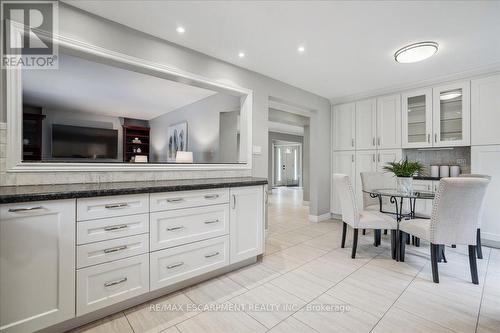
x=389, y=122
x=366, y=124
x=485, y=107
x=417, y=118
x=451, y=115
x=344, y=126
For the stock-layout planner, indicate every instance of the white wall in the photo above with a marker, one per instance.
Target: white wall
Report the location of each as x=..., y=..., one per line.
x=98, y=31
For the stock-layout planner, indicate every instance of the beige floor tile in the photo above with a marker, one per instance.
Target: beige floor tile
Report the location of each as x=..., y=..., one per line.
x=281, y=263
x=157, y=315
x=489, y=315
x=328, y=269
x=172, y=329
x=302, y=284
x=353, y=320
x=283, y=302
x=291, y=325
x=292, y=237
x=398, y=320
x=221, y=322
x=113, y=324
x=274, y=245
x=253, y=276
x=217, y=290
x=303, y=252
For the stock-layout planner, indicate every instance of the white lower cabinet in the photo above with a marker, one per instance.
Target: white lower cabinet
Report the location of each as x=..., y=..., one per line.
x=37, y=264
x=246, y=227
x=106, y=284
x=486, y=160
x=183, y=262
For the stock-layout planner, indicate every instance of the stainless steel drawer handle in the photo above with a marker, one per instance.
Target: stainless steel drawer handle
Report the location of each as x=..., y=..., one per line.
x=115, y=227
x=211, y=196
x=213, y=221
x=113, y=283
x=116, y=249
x=116, y=206
x=175, y=265
x=212, y=255
x=27, y=209
x=175, y=228
x=175, y=200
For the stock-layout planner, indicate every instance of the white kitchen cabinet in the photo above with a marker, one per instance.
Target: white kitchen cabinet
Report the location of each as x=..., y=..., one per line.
x=343, y=162
x=388, y=155
x=366, y=161
x=486, y=160
x=366, y=124
x=246, y=222
x=389, y=122
x=417, y=118
x=344, y=126
x=451, y=115
x=485, y=111
x=37, y=264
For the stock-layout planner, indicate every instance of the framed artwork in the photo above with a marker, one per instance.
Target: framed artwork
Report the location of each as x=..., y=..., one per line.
x=177, y=140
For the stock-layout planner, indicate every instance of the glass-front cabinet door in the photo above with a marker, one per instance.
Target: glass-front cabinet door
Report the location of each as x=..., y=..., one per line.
x=417, y=118
x=451, y=115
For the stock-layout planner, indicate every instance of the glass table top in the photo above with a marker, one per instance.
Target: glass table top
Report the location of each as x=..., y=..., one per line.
x=392, y=192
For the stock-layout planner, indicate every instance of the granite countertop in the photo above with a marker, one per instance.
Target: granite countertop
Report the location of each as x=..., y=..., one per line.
x=13, y=194
x=426, y=178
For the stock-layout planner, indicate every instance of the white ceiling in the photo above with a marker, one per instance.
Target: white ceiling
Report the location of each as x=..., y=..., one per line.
x=82, y=85
x=349, y=44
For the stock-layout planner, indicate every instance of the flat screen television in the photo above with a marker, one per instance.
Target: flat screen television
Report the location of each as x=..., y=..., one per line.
x=89, y=143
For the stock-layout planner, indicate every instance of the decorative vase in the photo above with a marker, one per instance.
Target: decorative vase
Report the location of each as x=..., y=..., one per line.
x=405, y=184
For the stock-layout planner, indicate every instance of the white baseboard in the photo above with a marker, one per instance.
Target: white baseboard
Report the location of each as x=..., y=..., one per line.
x=336, y=216
x=305, y=203
x=490, y=239
x=319, y=218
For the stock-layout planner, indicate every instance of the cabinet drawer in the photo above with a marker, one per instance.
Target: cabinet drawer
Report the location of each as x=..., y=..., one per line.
x=111, y=228
x=101, y=252
x=106, y=284
x=175, y=200
x=119, y=205
x=183, y=262
x=177, y=227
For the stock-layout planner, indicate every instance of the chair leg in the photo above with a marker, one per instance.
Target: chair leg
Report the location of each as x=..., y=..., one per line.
x=402, y=245
x=354, y=243
x=344, y=232
x=417, y=241
x=393, y=244
x=385, y=231
x=364, y=232
x=434, y=262
x=377, y=235
x=478, y=244
x=408, y=239
x=473, y=264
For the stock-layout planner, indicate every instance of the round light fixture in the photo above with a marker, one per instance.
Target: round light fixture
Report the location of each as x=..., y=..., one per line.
x=416, y=52
x=241, y=54
x=180, y=30
x=450, y=95
x=301, y=49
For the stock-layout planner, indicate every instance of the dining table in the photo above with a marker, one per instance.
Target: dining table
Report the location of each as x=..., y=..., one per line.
x=404, y=208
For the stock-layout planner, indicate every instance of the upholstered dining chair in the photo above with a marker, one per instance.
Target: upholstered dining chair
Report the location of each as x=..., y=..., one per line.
x=478, y=235
x=365, y=219
x=455, y=216
x=377, y=180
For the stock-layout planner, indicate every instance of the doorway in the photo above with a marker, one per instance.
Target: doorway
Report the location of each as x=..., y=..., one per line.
x=287, y=161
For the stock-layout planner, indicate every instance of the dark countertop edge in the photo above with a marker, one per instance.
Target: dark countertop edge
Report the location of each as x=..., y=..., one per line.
x=72, y=194
x=426, y=178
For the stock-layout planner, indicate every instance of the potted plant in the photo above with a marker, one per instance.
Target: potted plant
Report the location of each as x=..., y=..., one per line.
x=404, y=171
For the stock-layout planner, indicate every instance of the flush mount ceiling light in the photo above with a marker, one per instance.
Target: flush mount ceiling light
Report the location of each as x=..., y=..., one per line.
x=241, y=54
x=180, y=30
x=301, y=49
x=450, y=95
x=416, y=52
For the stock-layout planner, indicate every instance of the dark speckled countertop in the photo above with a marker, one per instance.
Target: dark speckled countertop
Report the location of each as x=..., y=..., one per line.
x=13, y=194
x=426, y=178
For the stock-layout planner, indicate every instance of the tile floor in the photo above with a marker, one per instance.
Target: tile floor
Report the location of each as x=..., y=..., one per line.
x=305, y=269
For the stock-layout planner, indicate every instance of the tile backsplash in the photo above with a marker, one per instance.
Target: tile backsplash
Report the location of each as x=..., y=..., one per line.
x=441, y=156
x=39, y=178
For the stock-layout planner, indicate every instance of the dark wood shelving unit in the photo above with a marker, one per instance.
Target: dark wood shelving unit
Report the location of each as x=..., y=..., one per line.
x=129, y=147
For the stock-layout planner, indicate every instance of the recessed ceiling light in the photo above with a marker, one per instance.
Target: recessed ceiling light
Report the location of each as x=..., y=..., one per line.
x=180, y=30
x=416, y=52
x=241, y=54
x=450, y=95
x=301, y=49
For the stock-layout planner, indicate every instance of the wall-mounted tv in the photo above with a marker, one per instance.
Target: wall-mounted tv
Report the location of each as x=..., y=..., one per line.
x=76, y=142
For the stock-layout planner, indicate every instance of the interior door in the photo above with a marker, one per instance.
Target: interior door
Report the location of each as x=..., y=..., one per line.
x=287, y=165
x=417, y=119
